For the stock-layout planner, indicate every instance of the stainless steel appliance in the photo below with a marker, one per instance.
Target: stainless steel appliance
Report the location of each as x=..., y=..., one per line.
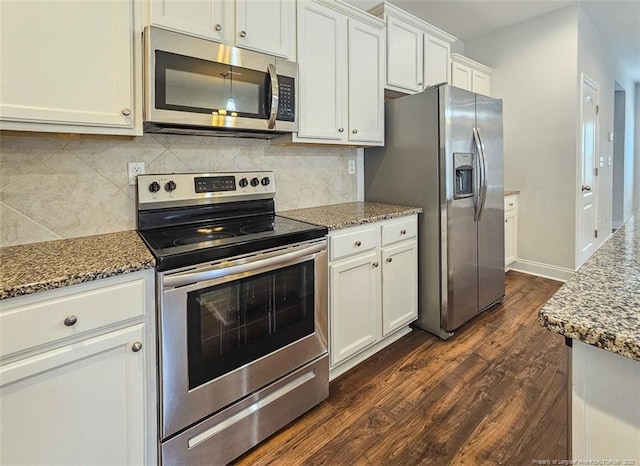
x=196, y=86
x=443, y=152
x=242, y=312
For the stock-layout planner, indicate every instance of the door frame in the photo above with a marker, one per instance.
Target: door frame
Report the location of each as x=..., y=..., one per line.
x=586, y=81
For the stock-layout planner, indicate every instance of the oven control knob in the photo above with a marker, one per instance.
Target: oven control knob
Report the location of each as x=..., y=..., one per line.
x=265, y=181
x=170, y=186
x=243, y=183
x=255, y=182
x=154, y=187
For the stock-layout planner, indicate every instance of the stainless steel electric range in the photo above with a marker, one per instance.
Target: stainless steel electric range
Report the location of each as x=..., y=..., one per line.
x=242, y=312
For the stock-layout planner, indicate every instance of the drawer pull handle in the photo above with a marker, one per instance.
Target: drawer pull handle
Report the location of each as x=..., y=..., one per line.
x=137, y=346
x=70, y=321
x=403, y=232
x=389, y=259
x=358, y=243
x=375, y=264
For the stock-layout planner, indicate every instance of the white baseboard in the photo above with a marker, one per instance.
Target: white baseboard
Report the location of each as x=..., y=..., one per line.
x=360, y=357
x=542, y=270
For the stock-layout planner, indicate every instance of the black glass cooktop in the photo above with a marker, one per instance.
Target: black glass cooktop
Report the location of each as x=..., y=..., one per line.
x=180, y=246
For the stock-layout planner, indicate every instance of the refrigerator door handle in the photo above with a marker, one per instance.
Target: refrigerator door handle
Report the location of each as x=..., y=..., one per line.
x=482, y=164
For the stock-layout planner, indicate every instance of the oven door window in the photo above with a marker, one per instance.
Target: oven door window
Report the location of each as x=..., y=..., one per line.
x=193, y=85
x=234, y=323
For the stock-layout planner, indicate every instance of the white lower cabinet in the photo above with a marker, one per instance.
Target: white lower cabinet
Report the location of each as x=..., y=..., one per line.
x=373, y=285
x=85, y=392
x=510, y=229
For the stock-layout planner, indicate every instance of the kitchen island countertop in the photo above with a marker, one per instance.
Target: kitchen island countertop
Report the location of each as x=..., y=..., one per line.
x=36, y=267
x=337, y=216
x=600, y=303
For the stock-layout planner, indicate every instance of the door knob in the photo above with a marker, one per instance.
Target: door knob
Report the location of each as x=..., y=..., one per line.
x=586, y=188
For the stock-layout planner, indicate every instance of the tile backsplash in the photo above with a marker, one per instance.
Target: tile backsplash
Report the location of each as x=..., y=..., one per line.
x=53, y=188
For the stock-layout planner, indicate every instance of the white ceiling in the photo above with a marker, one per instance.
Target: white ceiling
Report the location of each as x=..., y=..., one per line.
x=617, y=21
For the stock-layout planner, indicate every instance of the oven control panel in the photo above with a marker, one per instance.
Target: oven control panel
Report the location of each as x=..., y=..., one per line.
x=197, y=188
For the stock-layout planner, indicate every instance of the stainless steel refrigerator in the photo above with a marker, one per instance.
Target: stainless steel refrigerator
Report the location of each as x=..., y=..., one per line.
x=443, y=152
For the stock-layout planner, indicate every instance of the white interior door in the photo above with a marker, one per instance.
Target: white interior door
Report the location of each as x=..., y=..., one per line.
x=588, y=188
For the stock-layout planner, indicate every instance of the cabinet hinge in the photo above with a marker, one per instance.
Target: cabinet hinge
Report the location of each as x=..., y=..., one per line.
x=597, y=109
x=595, y=171
x=596, y=233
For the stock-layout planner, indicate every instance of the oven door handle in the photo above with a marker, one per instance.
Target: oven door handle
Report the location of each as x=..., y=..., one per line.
x=187, y=278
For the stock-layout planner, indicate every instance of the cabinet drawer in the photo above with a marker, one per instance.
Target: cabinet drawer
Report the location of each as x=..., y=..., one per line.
x=399, y=230
x=510, y=203
x=51, y=319
x=353, y=242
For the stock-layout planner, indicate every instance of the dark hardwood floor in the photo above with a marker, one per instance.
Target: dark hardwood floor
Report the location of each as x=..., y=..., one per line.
x=495, y=393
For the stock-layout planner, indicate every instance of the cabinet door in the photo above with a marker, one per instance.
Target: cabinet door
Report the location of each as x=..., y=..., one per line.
x=366, y=90
x=481, y=82
x=436, y=61
x=460, y=76
x=404, y=56
x=267, y=26
x=211, y=19
x=67, y=63
x=509, y=238
x=355, y=305
x=399, y=286
x=322, y=61
x=79, y=404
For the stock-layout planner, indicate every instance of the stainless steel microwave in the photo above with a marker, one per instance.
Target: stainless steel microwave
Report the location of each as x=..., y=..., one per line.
x=196, y=86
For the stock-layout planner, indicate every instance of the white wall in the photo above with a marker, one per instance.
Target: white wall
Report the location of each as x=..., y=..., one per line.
x=536, y=74
x=635, y=103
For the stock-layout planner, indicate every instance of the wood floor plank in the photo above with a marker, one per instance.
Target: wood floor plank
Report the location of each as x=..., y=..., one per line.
x=494, y=393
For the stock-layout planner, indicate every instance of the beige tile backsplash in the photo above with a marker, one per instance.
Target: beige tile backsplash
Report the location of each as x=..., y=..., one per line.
x=52, y=188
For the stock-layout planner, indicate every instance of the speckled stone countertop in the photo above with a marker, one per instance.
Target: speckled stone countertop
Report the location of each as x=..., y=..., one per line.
x=600, y=303
x=511, y=192
x=350, y=214
x=36, y=267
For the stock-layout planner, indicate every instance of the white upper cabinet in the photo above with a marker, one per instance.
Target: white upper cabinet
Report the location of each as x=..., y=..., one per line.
x=341, y=66
x=75, y=67
x=366, y=87
x=417, y=52
x=322, y=61
x=404, y=55
x=470, y=75
x=267, y=26
x=211, y=19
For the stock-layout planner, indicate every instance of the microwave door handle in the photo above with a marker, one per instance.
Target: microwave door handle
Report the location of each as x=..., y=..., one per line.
x=275, y=96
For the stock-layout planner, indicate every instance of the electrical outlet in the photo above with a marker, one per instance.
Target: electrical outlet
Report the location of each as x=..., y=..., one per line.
x=352, y=167
x=134, y=169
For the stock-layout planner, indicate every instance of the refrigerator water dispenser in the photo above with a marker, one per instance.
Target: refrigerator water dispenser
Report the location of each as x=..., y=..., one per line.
x=463, y=170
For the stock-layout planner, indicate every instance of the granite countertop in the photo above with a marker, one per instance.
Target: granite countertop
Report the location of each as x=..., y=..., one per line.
x=32, y=268
x=600, y=303
x=511, y=192
x=350, y=214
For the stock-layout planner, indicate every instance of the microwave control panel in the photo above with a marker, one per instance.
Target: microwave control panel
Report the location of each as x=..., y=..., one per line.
x=287, y=99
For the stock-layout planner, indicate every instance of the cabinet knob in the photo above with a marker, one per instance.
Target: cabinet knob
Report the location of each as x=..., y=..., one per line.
x=126, y=112
x=70, y=321
x=510, y=204
x=218, y=27
x=358, y=243
x=389, y=259
x=375, y=264
x=243, y=34
x=340, y=130
x=403, y=232
x=137, y=346
x=419, y=84
x=355, y=131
